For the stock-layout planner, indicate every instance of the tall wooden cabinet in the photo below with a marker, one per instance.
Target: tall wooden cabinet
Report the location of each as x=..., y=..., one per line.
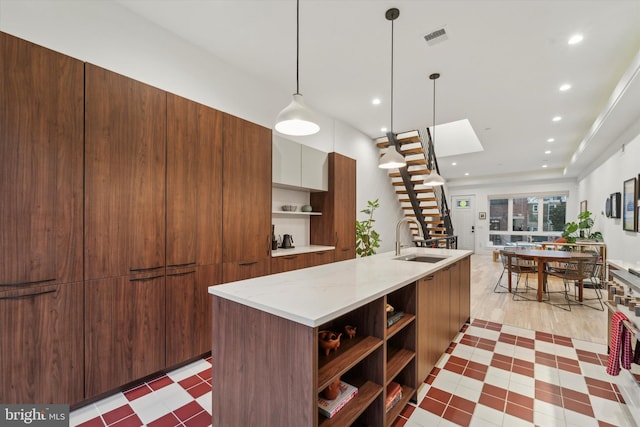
x=336, y=225
x=443, y=308
x=41, y=128
x=194, y=225
x=125, y=167
x=246, y=199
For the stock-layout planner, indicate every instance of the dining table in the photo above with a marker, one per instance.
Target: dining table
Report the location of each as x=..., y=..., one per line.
x=542, y=257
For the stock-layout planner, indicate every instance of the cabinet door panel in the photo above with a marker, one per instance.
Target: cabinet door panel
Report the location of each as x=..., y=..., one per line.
x=286, y=162
x=41, y=344
x=194, y=183
x=232, y=271
x=454, y=304
x=345, y=183
x=125, y=157
x=314, y=169
x=189, y=311
x=465, y=290
x=319, y=258
x=124, y=330
x=246, y=192
x=41, y=125
x=284, y=263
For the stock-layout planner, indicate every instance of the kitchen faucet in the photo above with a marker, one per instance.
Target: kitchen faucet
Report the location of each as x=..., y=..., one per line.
x=406, y=219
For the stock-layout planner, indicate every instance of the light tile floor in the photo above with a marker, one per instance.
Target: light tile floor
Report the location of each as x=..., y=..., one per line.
x=491, y=375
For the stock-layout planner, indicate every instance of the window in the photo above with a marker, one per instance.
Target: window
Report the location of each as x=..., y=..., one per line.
x=522, y=220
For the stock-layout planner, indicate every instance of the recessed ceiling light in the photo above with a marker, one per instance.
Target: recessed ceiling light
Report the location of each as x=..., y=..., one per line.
x=466, y=174
x=544, y=166
x=556, y=119
x=383, y=129
x=565, y=87
x=551, y=139
x=575, y=39
x=453, y=163
x=547, y=152
x=376, y=101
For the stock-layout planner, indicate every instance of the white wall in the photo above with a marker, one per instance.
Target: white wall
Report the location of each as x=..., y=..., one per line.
x=109, y=35
x=606, y=179
x=524, y=189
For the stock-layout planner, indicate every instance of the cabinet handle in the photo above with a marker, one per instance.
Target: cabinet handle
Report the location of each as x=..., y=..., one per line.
x=29, y=295
x=27, y=283
x=181, y=274
x=429, y=277
x=320, y=253
x=146, y=268
x=145, y=279
x=291, y=257
x=345, y=249
x=244, y=264
x=186, y=264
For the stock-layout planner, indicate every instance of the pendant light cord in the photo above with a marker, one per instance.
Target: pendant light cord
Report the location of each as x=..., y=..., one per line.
x=297, y=47
x=391, y=126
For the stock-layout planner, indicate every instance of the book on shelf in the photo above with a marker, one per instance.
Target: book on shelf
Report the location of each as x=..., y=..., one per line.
x=329, y=408
x=393, y=317
x=394, y=395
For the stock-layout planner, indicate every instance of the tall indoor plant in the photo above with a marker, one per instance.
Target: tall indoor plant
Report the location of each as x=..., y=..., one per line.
x=367, y=239
x=581, y=229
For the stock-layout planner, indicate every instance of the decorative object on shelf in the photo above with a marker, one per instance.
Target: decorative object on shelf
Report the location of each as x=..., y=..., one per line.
x=394, y=395
x=388, y=308
x=328, y=340
x=332, y=390
x=392, y=158
x=306, y=208
x=615, y=205
x=393, y=317
x=296, y=118
x=329, y=408
x=581, y=230
x=289, y=208
x=629, y=222
x=274, y=239
x=350, y=331
x=433, y=179
x=367, y=239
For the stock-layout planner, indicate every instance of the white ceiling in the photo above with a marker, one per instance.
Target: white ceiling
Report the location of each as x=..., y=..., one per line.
x=501, y=68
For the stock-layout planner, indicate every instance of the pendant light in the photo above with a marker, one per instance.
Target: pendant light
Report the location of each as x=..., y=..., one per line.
x=392, y=158
x=296, y=119
x=433, y=179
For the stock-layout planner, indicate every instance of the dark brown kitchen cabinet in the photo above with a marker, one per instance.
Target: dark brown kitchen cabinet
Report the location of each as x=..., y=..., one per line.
x=124, y=330
x=194, y=183
x=41, y=344
x=433, y=321
x=336, y=225
x=284, y=263
x=188, y=311
x=41, y=125
x=246, y=199
x=125, y=165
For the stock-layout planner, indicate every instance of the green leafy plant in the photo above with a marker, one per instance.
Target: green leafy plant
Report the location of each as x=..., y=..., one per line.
x=367, y=239
x=581, y=229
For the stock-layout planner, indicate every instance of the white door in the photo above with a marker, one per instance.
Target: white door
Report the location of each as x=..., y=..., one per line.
x=463, y=218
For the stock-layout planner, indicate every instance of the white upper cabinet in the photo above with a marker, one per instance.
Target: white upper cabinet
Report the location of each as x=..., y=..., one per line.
x=298, y=166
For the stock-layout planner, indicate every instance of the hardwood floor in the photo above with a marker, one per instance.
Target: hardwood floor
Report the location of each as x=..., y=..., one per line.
x=581, y=322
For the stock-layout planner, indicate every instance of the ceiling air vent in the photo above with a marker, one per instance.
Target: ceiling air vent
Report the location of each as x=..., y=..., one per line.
x=436, y=37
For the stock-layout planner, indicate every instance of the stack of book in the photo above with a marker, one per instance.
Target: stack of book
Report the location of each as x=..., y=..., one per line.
x=393, y=317
x=394, y=395
x=329, y=408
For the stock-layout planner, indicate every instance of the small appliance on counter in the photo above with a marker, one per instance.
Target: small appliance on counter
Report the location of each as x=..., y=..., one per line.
x=287, y=242
x=274, y=239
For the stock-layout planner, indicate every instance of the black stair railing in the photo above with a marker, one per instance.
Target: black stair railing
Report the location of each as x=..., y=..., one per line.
x=432, y=162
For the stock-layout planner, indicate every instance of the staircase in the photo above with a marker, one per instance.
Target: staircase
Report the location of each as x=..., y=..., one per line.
x=428, y=205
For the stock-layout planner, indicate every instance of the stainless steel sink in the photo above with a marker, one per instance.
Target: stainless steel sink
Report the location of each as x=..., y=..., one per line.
x=421, y=258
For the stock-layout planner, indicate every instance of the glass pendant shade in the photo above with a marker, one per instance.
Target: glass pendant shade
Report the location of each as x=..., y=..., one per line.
x=391, y=160
x=296, y=119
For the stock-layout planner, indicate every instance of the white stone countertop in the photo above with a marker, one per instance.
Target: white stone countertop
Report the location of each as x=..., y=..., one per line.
x=313, y=296
x=623, y=265
x=301, y=250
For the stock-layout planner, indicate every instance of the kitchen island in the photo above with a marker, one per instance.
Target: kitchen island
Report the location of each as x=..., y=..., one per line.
x=268, y=369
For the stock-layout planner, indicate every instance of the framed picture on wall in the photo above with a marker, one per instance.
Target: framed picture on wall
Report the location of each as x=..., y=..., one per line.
x=615, y=205
x=629, y=195
x=583, y=206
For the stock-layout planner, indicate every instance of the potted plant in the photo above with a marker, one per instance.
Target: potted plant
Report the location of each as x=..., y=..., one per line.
x=367, y=239
x=581, y=229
